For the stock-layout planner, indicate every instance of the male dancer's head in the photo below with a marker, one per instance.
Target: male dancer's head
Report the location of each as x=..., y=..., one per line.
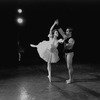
x=68, y=32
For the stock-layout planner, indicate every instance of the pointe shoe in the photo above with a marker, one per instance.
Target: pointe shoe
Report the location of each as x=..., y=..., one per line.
x=69, y=81
x=32, y=45
x=49, y=78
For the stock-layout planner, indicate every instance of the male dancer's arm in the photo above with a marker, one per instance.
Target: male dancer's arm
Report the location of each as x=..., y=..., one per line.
x=62, y=33
x=70, y=43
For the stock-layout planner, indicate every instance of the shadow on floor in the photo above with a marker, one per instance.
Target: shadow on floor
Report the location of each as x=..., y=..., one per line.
x=59, y=78
x=92, y=79
x=70, y=95
x=96, y=78
x=89, y=91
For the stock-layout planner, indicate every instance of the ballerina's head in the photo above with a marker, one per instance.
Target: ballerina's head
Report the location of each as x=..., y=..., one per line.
x=56, y=34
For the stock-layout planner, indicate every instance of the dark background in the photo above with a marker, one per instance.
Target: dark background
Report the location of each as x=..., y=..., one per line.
x=82, y=16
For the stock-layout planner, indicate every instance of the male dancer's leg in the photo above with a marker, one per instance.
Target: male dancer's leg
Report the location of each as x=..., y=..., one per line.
x=69, y=58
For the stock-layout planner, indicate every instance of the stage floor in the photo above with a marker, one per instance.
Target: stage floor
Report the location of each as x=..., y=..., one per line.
x=31, y=83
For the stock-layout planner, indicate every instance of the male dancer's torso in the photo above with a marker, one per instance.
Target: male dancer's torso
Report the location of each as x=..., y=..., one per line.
x=68, y=48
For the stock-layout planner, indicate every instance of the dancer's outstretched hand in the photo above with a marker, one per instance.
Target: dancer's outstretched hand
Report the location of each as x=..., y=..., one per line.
x=61, y=40
x=57, y=21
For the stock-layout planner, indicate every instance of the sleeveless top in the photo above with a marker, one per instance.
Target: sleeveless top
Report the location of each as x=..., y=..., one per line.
x=70, y=47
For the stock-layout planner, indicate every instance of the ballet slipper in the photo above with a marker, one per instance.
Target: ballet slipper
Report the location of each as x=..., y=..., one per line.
x=69, y=81
x=49, y=78
x=32, y=45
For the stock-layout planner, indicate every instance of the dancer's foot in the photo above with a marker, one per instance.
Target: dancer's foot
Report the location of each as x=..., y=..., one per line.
x=32, y=45
x=49, y=78
x=69, y=81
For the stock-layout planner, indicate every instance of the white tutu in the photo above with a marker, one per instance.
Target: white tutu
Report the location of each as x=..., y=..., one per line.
x=48, y=52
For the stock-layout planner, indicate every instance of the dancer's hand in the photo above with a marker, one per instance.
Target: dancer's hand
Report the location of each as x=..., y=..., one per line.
x=56, y=22
x=60, y=40
x=67, y=44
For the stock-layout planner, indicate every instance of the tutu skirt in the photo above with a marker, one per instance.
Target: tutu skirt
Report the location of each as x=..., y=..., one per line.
x=47, y=52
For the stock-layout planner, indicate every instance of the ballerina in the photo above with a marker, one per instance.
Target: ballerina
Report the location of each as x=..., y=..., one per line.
x=47, y=50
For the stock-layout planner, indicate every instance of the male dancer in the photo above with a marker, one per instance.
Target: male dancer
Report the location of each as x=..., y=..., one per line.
x=68, y=51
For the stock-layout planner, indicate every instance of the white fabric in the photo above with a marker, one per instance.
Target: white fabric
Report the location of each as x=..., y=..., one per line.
x=47, y=50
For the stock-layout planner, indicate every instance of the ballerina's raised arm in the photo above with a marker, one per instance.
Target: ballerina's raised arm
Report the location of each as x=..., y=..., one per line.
x=51, y=29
